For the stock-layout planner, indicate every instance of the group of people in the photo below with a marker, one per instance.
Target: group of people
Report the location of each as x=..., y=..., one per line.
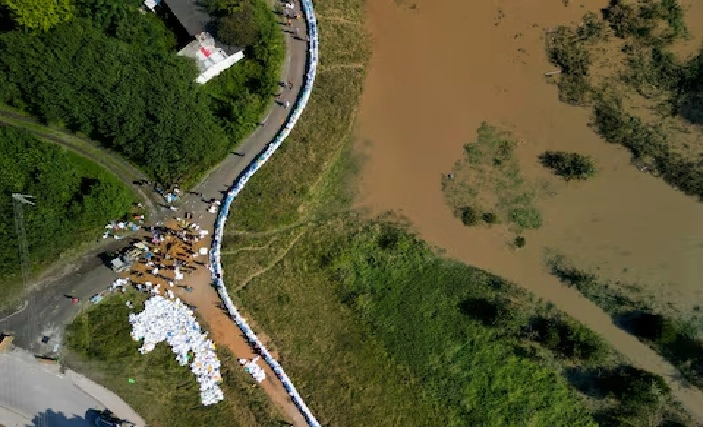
x=172, y=251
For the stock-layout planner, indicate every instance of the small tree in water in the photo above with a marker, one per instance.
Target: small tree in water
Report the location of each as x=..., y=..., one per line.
x=568, y=165
x=469, y=216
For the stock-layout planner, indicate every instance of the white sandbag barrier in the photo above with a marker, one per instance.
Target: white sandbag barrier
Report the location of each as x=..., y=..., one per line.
x=237, y=186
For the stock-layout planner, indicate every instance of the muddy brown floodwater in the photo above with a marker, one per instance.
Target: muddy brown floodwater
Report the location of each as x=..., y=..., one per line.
x=439, y=69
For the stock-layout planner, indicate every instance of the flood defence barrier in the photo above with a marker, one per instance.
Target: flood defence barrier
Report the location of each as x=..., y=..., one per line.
x=236, y=188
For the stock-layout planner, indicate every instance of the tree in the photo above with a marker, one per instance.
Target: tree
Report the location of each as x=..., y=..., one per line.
x=469, y=216
x=238, y=28
x=489, y=218
x=39, y=15
x=568, y=165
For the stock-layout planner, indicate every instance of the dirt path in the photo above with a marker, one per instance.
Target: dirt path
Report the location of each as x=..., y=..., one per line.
x=443, y=66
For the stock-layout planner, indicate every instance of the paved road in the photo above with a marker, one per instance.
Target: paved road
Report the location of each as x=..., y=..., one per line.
x=36, y=394
x=48, y=310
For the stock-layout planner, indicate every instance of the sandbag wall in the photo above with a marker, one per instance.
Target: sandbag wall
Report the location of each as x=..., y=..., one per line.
x=301, y=101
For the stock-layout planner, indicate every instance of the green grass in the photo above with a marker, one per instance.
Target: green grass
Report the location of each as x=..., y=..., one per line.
x=369, y=309
x=488, y=181
x=389, y=290
x=164, y=393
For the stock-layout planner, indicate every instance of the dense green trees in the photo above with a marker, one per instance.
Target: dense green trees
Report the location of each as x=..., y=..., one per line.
x=112, y=73
x=41, y=15
x=73, y=197
x=93, y=84
x=568, y=165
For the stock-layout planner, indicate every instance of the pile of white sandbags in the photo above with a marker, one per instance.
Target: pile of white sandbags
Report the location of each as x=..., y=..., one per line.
x=170, y=320
x=253, y=368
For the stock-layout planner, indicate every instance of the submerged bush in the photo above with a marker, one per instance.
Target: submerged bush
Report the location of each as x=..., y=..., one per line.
x=568, y=165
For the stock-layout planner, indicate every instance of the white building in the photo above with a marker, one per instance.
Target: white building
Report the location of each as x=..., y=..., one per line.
x=211, y=57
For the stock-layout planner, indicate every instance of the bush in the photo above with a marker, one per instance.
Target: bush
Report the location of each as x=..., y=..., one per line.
x=568, y=165
x=238, y=28
x=643, y=20
x=526, y=217
x=565, y=50
x=469, y=216
x=668, y=337
x=519, y=242
x=647, y=141
x=489, y=217
x=567, y=338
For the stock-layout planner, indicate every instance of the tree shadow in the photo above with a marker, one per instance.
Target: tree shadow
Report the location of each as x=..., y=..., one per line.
x=672, y=339
x=51, y=418
x=620, y=382
x=488, y=312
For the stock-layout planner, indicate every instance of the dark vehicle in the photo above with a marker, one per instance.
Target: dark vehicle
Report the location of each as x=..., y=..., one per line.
x=107, y=419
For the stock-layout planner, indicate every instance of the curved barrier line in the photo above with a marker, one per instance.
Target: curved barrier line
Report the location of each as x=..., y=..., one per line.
x=264, y=155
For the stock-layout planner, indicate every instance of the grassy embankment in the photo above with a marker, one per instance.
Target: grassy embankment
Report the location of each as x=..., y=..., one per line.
x=164, y=394
x=75, y=198
x=644, y=95
x=372, y=325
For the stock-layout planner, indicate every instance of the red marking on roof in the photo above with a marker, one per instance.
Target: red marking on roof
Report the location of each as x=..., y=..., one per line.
x=205, y=52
